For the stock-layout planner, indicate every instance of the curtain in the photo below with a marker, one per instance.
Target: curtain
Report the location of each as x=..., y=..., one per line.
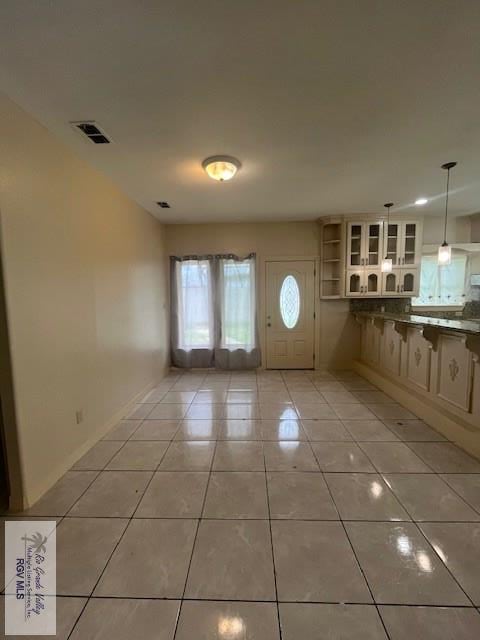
x=213, y=312
x=192, y=323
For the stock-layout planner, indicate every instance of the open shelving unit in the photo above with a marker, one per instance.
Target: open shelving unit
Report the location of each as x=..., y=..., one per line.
x=332, y=265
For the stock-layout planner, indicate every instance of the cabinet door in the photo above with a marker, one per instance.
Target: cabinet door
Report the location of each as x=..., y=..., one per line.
x=355, y=242
x=373, y=247
x=391, y=283
x=392, y=242
x=372, y=283
x=354, y=283
x=409, y=283
x=410, y=243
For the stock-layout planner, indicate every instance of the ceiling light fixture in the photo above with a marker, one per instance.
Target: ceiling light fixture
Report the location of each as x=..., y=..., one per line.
x=387, y=263
x=221, y=168
x=419, y=202
x=444, y=250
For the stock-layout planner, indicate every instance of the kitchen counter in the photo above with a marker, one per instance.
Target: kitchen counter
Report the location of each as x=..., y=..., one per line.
x=470, y=327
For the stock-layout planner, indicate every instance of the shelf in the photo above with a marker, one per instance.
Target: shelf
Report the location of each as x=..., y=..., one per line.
x=331, y=241
x=332, y=260
x=331, y=279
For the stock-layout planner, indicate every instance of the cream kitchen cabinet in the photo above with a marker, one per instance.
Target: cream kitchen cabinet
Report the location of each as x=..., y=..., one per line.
x=401, y=282
x=364, y=282
x=367, y=243
x=364, y=244
x=402, y=242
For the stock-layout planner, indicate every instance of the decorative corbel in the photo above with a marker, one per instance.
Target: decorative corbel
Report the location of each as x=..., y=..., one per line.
x=472, y=343
x=431, y=335
x=402, y=329
x=379, y=323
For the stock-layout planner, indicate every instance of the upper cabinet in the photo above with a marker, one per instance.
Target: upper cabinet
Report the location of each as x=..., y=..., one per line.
x=368, y=242
x=364, y=244
x=403, y=242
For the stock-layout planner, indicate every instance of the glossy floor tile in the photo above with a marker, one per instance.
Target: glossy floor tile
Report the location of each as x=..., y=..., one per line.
x=228, y=621
x=237, y=494
x=401, y=566
x=114, y=494
x=364, y=496
x=105, y=619
x=267, y=505
x=330, y=621
x=458, y=546
x=232, y=560
x=431, y=623
x=314, y=562
x=299, y=496
x=151, y=560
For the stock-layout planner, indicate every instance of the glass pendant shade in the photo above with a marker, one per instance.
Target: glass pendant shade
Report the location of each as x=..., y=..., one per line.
x=444, y=254
x=387, y=265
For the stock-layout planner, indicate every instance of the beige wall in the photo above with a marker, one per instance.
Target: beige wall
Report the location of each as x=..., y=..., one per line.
x=86, y=296
x=337, y=335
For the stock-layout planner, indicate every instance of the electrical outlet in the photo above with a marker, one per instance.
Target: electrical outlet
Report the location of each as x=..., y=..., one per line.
x=79, y=416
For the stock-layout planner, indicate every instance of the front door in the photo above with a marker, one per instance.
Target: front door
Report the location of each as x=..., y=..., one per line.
x=290, y=324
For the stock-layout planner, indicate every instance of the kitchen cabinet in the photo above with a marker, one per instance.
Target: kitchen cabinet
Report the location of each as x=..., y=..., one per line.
x=363, y=282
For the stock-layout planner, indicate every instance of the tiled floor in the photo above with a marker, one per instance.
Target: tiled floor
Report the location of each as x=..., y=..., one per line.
x=294, y=505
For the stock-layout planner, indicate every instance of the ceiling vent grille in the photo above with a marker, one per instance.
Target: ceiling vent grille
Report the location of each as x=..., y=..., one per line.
x=91, y=131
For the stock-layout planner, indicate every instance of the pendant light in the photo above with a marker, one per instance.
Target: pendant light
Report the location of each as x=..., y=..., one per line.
x=444, y=250
x=387, y=263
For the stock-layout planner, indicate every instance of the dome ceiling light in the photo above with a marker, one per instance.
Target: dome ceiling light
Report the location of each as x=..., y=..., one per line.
x=221, y=168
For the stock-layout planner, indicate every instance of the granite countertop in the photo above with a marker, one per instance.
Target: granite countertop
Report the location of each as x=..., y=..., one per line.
x=471, y=327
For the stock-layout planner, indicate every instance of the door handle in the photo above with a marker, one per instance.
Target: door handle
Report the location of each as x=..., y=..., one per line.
x=366, y=261
x=398, y=288
x=269, y=324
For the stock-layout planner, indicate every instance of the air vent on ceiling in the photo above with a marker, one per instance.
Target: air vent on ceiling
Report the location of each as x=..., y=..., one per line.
x=91, y=130
x=164, y=205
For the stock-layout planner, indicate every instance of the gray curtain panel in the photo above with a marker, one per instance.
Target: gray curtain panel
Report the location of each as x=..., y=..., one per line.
x=214, y=312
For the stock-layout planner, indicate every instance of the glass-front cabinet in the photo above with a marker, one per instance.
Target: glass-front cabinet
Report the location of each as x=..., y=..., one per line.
x=364, y=244
x=363, y=282
x=368, y=242
x=402, y=243
x=364, y=257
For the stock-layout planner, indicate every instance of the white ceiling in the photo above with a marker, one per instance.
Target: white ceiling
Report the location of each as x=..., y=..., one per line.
x=331, y=105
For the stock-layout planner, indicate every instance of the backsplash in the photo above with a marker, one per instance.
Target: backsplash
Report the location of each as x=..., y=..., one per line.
x=403, y=305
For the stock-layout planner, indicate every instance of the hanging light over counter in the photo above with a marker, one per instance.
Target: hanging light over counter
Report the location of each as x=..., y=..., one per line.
x=445, y=250
x=387, y=263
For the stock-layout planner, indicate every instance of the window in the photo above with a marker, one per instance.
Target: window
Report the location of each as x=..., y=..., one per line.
x=213, y=312
x=237, y=281
x=195, y=312
x=442, y=286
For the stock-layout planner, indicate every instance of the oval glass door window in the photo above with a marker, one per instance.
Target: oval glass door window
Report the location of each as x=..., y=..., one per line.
x=290, y=302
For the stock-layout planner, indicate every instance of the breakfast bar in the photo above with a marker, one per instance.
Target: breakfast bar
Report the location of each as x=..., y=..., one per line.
x=431, y=365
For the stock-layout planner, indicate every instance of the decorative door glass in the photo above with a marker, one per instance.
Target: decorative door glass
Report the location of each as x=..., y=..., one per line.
x=392, y=243
x=290, y=302
x=374, y=257
x=355, y=244
x=390, y=282
x=410, y=243
x=354, y=283
x=408, y=285
x=372, y=283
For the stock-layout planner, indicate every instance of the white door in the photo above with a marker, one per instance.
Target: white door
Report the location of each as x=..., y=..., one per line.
x=290, y=324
